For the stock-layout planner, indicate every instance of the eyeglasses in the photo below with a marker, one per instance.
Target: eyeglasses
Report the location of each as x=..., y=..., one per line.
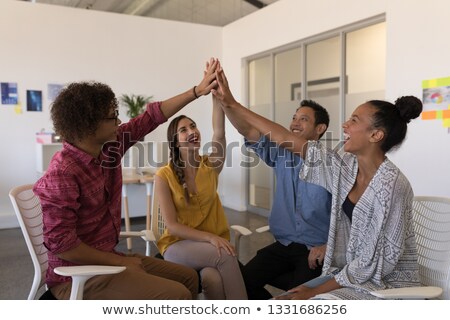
x=116, y=116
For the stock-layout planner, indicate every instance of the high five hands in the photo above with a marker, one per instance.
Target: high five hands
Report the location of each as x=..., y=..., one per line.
x=222, y=91
x=209, y=78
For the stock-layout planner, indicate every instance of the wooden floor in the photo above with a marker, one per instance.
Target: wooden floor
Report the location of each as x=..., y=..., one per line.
x=16, y=268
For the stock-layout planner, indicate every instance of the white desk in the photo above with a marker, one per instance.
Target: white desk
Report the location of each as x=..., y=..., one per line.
x=133, y=178
x=126, y=180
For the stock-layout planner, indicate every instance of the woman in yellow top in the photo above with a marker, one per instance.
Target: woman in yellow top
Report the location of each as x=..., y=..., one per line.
x=197, y=233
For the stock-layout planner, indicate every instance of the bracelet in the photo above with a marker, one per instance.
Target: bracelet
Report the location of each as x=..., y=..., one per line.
x=195, y=93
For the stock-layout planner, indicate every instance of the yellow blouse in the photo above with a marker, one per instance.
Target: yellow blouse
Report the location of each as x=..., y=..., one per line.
x=204, y=211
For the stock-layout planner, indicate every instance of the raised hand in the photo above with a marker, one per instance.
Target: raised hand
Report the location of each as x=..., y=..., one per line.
x=209, y=78
x=223, y=93
x=215, y=101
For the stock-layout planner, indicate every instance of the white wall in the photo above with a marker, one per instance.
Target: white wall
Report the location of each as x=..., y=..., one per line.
x=44, y=44
x=416, y=51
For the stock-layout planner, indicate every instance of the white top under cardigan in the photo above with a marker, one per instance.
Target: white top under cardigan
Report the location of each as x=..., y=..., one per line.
x=377, y=249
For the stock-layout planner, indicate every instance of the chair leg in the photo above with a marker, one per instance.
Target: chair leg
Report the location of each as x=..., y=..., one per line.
x=147, y=248
x=148, y=213
x=126, y=217
x=149, y=188
x=237, y=242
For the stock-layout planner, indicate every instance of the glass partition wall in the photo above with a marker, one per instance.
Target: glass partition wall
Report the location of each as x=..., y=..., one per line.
x=260, y=176
x=365, y=62
x=339, y=70
x=323, y=71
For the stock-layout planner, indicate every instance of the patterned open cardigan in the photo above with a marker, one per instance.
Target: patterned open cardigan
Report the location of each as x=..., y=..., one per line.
x=377, y=249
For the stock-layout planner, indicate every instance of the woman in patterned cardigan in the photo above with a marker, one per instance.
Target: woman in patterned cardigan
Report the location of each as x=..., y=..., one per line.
x=371, y=242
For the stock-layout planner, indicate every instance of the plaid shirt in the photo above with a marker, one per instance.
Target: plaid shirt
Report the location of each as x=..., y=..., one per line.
x=81, y=195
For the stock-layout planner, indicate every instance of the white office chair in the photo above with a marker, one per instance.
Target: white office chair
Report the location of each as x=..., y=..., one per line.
x=431, y=217
x=29, y=213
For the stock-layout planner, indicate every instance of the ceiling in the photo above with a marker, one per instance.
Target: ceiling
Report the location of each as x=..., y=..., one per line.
x=209, y=12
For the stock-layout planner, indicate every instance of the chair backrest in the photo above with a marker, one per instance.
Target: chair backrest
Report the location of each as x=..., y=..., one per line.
x=157, y=224
x=29, y=213
x=432, y=227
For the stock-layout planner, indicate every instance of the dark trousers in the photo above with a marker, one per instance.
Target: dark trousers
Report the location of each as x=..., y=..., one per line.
x=283, y=267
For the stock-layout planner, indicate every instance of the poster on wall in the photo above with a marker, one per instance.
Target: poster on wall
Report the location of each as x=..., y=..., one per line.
x=34, y=100
x=436, y=100
x=9, y=93
x=53, y=91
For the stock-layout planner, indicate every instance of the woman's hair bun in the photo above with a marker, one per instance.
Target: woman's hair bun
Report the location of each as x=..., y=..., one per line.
x=409, y=107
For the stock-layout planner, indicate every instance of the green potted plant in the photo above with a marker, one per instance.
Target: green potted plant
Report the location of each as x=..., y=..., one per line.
x=134, y=103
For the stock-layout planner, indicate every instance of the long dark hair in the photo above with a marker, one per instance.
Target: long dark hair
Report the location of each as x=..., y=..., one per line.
x=175, y=160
